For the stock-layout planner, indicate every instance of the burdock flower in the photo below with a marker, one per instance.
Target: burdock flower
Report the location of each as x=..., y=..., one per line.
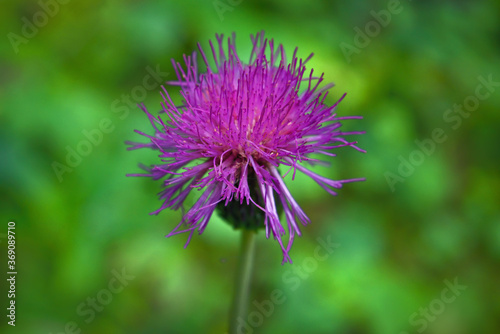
x=239, y=122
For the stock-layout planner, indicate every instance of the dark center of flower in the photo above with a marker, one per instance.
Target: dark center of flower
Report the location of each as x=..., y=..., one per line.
x=243, y=215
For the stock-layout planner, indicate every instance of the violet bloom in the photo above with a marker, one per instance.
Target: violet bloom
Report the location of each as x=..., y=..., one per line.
x=238, y=123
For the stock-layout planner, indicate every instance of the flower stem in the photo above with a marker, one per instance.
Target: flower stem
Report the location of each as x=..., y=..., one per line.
x=243, y=277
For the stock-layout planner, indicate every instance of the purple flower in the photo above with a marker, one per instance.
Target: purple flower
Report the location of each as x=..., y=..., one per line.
x=238, y=123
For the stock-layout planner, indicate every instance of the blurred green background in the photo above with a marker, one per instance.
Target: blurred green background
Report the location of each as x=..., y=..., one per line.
x=420, y=222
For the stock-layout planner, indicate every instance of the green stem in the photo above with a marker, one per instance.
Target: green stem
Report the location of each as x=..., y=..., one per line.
x=243, y=277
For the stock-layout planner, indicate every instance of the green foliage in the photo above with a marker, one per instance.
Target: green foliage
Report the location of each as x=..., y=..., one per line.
x=427, y=214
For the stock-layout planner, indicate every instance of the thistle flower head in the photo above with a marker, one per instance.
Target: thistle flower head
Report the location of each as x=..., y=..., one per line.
x=238, y=123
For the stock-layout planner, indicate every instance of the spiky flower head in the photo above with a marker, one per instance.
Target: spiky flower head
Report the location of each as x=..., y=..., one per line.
x=238, y=123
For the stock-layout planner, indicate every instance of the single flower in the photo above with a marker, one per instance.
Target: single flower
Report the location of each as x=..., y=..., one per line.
x=238, y=123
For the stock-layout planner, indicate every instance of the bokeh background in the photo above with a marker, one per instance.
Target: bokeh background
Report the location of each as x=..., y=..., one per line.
x=402, y=236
